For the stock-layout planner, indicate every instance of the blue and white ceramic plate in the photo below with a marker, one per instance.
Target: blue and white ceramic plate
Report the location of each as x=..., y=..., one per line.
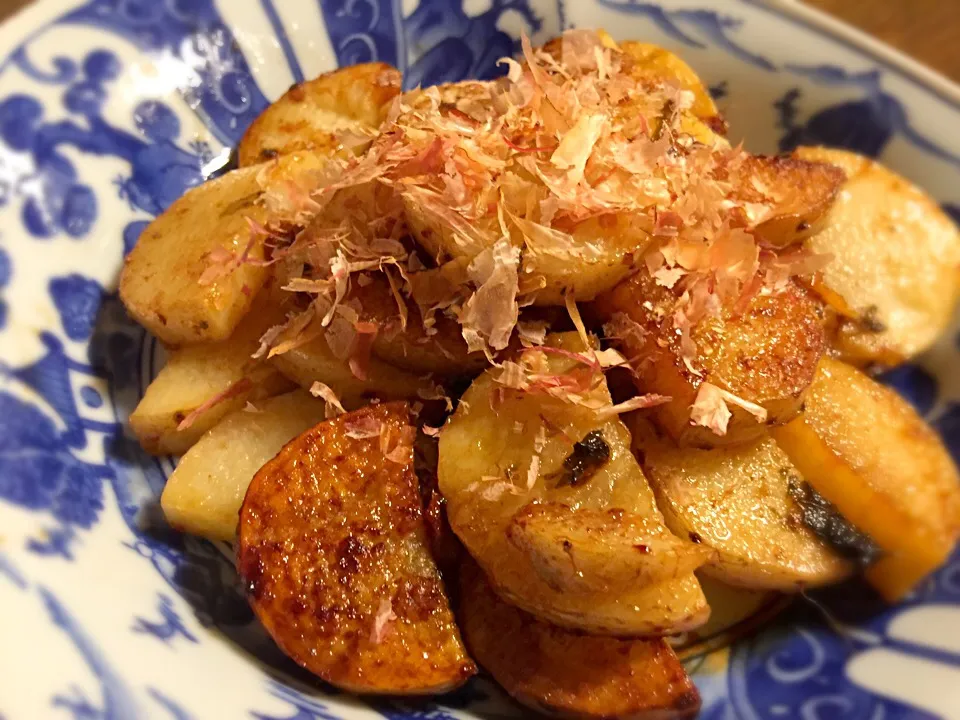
x=110, y=109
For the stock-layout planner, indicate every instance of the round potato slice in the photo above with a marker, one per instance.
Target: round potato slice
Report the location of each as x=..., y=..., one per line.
x=569, y=674
x=314, y=114
x=737, y=501
x=767, y=355
x=334, y=553
x=896, y=262
x=529, y=449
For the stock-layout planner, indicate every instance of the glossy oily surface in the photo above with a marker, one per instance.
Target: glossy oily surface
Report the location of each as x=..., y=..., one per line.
x=110, y=112
x=333, y=552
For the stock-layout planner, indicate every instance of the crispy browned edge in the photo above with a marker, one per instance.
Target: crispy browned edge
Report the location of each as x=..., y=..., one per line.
x=249, y=150
x=567, y=673
x=314, y=558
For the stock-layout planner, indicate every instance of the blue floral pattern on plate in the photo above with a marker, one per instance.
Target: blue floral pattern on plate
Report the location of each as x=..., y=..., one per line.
x=110, y=110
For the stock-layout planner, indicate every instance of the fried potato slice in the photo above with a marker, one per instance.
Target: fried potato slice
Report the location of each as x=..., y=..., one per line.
x=767, y=355
x=172, y=281
x=333, y=549
x=797, y=191
x=896, y=262
x=566, y=673
x=661, y=65
x=737, y=501
x=586, y=550
x=505, y=449
x=313, y=115
x=409, y=347
x=314, y=361
x=204, y=493
x=865, y=449
x=205, y=383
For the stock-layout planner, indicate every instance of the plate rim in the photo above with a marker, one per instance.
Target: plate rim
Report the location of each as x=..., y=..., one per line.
x=23, y=24
x=843, y=32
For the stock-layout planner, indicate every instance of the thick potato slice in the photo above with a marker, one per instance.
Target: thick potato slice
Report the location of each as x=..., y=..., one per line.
x=410, y=348
x=600, y=253
x=865, y=449
x=205, y=491
x=566, y=673
x=172, y=281
x=195, y=376
x=767, y=355
x=314, y=361
x=896, y=262
x=798, y=193
x=313, y=115
x=485, y=475
x=737, y=501
x=334, y=552
x=586, y=550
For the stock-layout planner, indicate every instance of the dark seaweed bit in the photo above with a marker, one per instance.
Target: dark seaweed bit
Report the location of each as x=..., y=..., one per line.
x=826, y=522
x=588, y=456
x=870, y=320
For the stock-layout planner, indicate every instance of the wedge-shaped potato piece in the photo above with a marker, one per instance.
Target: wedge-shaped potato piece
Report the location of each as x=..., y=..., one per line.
x=896, y=262
x=205, y=491
x=534, y=448
x=408, y=346
x=334, y=552
x=174, y=281
x=314, y=361
x=204, y=383
x=767, y=355
x=313, y=115
x=566, y=673
x=737, y=501
x=863, y=448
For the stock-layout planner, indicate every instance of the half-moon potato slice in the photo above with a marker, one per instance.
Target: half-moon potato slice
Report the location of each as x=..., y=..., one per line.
x=506, y=450
x=334, y=553
x=194, y=271
x=865, y=449
x=313, y=115
x=766, y=355
x=569, y=674
x=738, y=502
x=896, y=262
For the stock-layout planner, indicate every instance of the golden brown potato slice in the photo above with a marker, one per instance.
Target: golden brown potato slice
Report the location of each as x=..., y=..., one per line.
x=204, y=383
x=662, y=65
x=896, y=262
x=566, y=673
x=411, y=348
x=184, y=280
x=865, y=449
x=767, y=356
x=205, y=491
x=798, y=193
x=313, y=115
x=737, y=501
x=333, y=550
x=504, y=449
x=585, y=550
x=315, y=362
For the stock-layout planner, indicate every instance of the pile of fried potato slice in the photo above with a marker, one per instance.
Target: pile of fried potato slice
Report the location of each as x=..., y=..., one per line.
x=495, y=373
